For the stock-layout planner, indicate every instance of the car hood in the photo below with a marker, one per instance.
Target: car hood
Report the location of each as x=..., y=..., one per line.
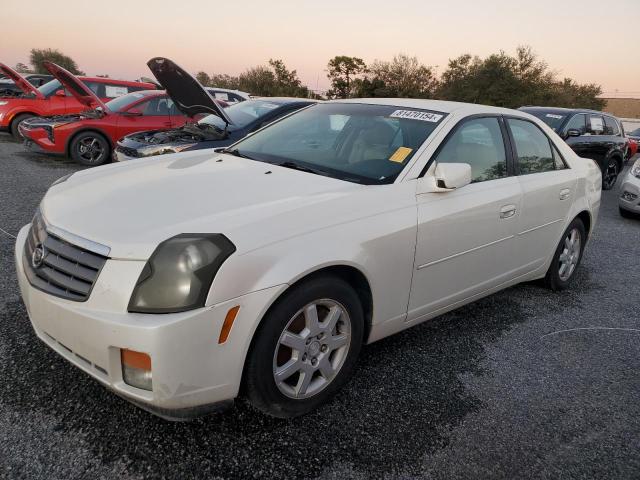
x=73, y=85
x=187, y=93
x=132, y=207
x=20, y=81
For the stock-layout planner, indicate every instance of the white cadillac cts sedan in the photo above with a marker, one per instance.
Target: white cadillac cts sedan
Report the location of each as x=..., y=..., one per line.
x=184, y=280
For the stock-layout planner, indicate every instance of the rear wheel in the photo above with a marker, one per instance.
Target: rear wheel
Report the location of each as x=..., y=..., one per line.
x=567, y=256
x=90, y=148
x=306, y=348
x=610, y=174
x=16, y=123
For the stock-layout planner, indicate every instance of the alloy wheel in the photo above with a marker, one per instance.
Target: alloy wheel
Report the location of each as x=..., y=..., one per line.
x=610, y=175
x=312, y=349
x=570, y=255
x=90, y=149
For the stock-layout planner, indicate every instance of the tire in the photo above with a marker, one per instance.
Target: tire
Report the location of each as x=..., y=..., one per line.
x=16, y=122
x=90, y=148
x=557, y=278
x=610, y=174
x=322, y=357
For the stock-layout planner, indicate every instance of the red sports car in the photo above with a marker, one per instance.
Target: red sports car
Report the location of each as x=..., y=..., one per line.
x=52, y=99
x=89, y=136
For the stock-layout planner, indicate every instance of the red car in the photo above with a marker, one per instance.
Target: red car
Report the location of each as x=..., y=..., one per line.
x=52, y=99
x=633, y=148
x=88, y=137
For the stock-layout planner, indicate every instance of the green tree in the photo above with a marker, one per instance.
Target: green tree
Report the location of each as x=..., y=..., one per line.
x=22, y=68
x=39, y=56
x=403, y=77
x=512, y=81
x=342, y=70
x=203, y=78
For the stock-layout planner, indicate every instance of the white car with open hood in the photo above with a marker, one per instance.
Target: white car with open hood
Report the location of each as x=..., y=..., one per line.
x=177, y=280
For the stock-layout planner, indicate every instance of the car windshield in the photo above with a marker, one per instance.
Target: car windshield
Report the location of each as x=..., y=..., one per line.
x=552, y=119
x=50, y=88
x=121, y=103
x=368, y=144
x=242, y=114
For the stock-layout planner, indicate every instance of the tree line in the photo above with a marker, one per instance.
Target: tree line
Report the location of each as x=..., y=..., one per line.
x=499, y=79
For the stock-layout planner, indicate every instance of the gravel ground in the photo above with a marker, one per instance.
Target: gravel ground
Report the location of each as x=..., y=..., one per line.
x=525, y=383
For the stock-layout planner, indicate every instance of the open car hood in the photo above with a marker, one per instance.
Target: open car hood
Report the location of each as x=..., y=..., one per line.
x=20, y=81
x=74, y=86
x=187, y=93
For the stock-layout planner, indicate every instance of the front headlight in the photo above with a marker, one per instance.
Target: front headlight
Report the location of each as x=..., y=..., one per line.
x=179, y=273
x=635, y=170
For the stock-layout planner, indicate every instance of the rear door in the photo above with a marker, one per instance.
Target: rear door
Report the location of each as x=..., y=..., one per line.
x=177, y=118
x=151, y=114
x=548, y=188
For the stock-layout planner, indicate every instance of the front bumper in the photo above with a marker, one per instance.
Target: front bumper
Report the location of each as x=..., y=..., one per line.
x=629, y=198
x=40, y=141
x=192, y=372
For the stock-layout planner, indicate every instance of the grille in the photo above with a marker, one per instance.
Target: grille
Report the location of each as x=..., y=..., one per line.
x=129, y=152
x=59, y=267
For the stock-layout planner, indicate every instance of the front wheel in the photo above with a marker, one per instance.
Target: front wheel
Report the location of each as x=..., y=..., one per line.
x=306, y=348
x=16, y=123
x=610, y=174
x=567, y=256
x=90, y=148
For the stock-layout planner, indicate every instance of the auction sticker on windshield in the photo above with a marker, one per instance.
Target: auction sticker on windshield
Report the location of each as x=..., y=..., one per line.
x=416, y=115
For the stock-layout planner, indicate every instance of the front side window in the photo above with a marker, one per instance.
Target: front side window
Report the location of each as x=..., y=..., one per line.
x=577, y=122
x=479, y=143
x=533, y=149
x=611, y=126
x=122, y=103
x=368, y=144
x=113, y=91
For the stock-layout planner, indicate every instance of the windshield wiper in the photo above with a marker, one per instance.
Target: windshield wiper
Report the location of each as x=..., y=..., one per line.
x=301, y=168
x=236, y=153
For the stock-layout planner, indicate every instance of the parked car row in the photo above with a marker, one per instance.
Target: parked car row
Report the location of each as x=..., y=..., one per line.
x=85, y=119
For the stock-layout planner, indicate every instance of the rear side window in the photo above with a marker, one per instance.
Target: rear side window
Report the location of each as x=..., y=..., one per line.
x=611, y=126
x=577, y=122
x=154, y=107
x=533, y=148
x=113, y=91
x=479, y=143
x=596, y=125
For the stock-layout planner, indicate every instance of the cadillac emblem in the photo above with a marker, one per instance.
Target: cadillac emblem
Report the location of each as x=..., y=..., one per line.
x=37, y=257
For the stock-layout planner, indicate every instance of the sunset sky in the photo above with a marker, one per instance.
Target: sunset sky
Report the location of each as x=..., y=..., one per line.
x=590, y=41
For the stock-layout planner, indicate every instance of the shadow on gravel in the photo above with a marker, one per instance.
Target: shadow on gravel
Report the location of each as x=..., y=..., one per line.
x=405, y=396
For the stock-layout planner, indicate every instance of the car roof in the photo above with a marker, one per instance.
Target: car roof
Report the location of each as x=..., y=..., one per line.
x=114, y=81
x=435, y=105
x=284, y=100
x=229, y=90
x=561, y=110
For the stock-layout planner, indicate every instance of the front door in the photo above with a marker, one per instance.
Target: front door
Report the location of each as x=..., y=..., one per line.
x=466, y=237
x=152, y=114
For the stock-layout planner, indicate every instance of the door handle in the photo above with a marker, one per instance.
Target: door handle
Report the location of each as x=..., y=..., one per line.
x=507, y=211
x=565, y=193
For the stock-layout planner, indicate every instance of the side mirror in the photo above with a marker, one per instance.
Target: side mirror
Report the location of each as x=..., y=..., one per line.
x=60, y=93
x=134, y=112
x=447, y=177
x=572, y=132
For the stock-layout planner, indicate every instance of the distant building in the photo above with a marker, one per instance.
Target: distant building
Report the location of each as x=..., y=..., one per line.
x=623, y=107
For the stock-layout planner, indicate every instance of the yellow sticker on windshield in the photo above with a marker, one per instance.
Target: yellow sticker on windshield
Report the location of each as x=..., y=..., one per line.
x=400, y=154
